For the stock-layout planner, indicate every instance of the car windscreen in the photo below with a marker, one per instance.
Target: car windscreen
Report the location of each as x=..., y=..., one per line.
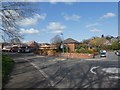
x=102, y=53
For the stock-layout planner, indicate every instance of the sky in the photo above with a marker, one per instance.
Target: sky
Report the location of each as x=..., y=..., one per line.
x=77, y=20
x=60, y=0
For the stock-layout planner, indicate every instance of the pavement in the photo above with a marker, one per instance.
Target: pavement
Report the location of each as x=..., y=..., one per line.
x=33, y=71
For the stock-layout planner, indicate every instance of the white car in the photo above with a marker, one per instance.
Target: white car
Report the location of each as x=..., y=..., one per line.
x=103, y=53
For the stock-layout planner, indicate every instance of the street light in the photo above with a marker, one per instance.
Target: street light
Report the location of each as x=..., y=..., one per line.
x=62, y=46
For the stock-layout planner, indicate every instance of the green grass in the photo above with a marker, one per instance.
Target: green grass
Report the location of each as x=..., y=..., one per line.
x=7, y=65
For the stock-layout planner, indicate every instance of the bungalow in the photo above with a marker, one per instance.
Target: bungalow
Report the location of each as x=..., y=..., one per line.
x=47, y=49
x=71, y=44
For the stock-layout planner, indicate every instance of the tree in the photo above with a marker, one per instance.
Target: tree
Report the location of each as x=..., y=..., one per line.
x=97, y=41
x=15, y=41
x=58, y=41
x=10, y=13
x=86, y=41
x=115, y=45
x=108, y=37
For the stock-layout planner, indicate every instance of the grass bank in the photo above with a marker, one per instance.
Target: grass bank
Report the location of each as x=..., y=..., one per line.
x=7, y=65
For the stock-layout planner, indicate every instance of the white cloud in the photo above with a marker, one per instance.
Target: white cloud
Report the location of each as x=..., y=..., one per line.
x=60, y=0
x=67, y=2
x=55, y=1
x=95, y=30
x=31, y=20
x=92, y=25
x=107, y=15
x=29, y=31
x=55, y=27
x=25, y=41
x=73, y=17
x=58, y=31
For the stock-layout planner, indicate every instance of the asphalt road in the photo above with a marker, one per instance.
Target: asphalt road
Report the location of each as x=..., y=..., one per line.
x=33, y=71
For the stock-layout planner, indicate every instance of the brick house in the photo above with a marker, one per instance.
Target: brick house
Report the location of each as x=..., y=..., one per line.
x=33, y=45
x=71, y=44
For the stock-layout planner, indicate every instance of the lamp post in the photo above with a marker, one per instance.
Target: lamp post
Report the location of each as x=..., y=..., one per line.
x=62, y=42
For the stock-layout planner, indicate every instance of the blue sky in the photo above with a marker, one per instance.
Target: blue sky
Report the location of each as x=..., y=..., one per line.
x=80, y=20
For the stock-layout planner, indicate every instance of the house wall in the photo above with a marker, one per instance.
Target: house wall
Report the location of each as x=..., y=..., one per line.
x=71, y=47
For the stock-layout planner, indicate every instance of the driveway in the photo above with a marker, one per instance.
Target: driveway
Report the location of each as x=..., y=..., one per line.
x=33, y=71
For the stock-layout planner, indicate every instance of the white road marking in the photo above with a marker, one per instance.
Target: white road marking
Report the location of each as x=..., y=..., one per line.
x=111, y=70
x=114, y=77
x=58, y=59
x=31, y=57
x=43, y=73
x=93, y=69
x=35, y=66
x=95, y=59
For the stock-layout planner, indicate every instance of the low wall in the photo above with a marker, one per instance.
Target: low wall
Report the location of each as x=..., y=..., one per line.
x=76, y=55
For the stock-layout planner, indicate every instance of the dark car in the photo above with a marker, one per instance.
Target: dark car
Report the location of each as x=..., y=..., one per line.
x=117, y=53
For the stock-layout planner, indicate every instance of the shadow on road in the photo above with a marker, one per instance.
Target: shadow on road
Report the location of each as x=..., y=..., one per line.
x=67, y=75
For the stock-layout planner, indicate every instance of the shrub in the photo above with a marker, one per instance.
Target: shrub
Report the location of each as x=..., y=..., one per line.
x=89, y=51
x=7, y=65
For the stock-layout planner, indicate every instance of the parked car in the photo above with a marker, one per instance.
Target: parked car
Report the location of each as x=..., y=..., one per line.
x=7, y=49
x=27, y=50
x=117, y=53
x=23, y=50
x=103, y=53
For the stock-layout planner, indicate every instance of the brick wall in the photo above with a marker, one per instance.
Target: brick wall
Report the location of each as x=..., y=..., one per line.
x=76, y=55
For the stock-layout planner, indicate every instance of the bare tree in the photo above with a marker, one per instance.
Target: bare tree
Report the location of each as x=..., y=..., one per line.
x=10, y=13
x=56, y=40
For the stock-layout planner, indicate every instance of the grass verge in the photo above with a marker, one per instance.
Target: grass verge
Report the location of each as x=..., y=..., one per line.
x=7, y=65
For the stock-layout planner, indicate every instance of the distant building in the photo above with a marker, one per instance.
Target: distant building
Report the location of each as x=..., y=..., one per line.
x=71, y=44
x=33, y=45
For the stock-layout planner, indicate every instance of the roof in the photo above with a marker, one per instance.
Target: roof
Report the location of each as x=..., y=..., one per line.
x=31, y=42
x=70, y=40
x=44, y=44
